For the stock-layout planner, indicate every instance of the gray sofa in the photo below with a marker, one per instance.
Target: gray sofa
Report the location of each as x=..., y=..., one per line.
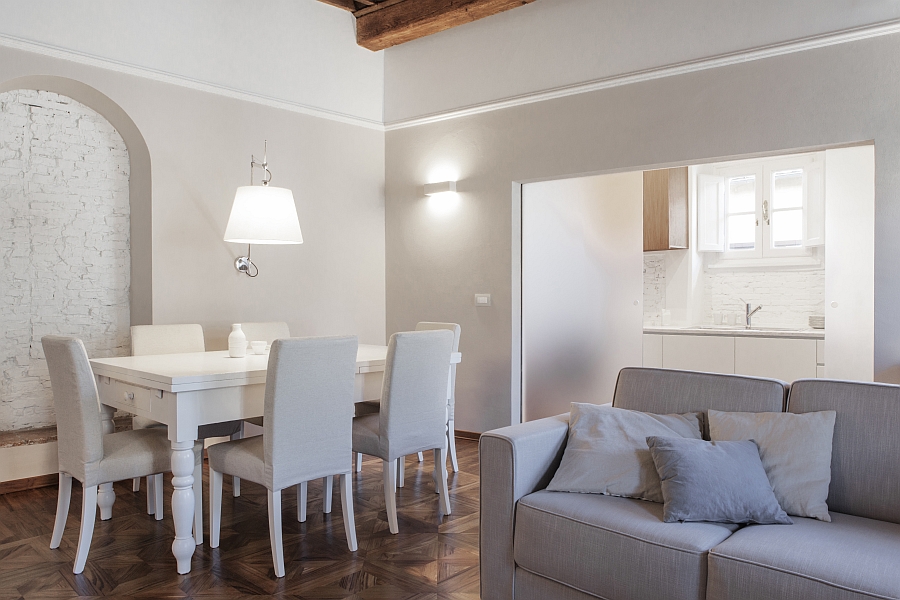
x=537, y=544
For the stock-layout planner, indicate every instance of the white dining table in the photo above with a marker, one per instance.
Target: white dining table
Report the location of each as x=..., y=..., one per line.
x=184, y=391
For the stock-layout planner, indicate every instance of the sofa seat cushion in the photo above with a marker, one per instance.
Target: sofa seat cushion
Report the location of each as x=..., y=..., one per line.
x=613, y=547
x=851, y=557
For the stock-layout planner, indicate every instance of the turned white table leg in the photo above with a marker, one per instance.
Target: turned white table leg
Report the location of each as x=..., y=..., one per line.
x=183, y=504
x=106, y=496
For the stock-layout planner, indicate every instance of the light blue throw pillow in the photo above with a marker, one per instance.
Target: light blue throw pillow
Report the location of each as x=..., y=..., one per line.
x=720, y=482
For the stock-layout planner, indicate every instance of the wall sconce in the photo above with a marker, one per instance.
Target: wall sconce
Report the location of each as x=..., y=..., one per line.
x=262, y=214
x=433, y=189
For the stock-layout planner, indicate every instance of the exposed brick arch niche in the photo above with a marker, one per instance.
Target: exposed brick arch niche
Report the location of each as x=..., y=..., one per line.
x=74, y=234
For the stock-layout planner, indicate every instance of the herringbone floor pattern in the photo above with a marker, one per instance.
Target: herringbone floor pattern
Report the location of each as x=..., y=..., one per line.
x=432, y=557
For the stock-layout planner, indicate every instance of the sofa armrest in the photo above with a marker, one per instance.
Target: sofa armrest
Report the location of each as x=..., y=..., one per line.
x=514, y=462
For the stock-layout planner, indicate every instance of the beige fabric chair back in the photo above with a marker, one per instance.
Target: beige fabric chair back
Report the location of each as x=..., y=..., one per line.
x=455, y=328
x=77, y=405
x=166, y=339
x=413, y=414
x=268, y=331
x=308, y=424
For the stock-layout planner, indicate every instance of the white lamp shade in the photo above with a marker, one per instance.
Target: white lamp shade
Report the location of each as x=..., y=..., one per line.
x=263, y=215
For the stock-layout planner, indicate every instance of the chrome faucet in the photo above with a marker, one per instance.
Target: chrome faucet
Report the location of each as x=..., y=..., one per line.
x=749, y=313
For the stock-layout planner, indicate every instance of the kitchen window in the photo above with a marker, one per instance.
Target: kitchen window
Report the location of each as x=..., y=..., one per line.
x=762, y=209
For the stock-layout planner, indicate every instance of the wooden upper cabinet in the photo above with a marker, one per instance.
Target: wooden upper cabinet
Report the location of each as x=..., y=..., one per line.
x=666, y=212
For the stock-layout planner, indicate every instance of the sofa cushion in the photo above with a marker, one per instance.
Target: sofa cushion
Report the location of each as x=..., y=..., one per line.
x=851, y=557
x=722, y=482
x=865, y=477
x=795, y=451
x=606, y=451
x=613, y=547
x=667, y=391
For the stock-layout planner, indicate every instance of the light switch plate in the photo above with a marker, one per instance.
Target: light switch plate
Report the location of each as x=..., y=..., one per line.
x=482, y=299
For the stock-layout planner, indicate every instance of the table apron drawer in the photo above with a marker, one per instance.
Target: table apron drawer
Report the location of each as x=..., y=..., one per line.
x=127, y=396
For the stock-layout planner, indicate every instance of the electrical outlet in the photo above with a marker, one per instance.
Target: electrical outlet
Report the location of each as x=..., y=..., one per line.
x=482, y=299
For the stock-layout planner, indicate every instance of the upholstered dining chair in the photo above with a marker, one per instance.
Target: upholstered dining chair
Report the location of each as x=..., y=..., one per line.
x=413, y=413
x=306, y=433
x=371, y=406
x=178, y=339
x=84, y=452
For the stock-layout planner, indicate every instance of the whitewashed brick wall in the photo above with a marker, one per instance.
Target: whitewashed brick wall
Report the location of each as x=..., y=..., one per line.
x=788, y=297
x=654, y=287
x=64, y=243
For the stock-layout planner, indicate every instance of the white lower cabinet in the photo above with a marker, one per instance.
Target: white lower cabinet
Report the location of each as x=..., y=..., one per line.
x=713, y=354
x=779, y=358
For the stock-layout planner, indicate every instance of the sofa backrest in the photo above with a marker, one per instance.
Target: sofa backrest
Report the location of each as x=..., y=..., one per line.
x=865, y=458
x=667, y=391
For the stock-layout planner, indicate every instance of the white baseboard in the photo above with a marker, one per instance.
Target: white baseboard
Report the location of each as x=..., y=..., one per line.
x=22, y=462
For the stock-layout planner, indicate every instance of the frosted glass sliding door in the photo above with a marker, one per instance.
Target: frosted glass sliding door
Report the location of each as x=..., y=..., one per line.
x=850, y=263
x=582, y=288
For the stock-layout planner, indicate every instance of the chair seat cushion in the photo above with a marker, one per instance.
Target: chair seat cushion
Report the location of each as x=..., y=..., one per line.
x=244, y=458
x=851, y=557
x=129, y=454
x=613, y=547
x=365, y=435
x=224, y=429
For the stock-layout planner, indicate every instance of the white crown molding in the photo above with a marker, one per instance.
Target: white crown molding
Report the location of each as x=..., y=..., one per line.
x=722, y=60
x=180, y=80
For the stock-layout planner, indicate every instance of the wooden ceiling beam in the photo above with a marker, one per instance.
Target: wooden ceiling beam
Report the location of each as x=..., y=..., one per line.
x=379, y=27
x=345, y=4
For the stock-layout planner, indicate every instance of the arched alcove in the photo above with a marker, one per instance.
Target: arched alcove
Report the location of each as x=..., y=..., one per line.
x=139, y=187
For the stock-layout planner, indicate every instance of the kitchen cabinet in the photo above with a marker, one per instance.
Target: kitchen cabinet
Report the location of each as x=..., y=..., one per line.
x=653, y=351
x=666, y=211
x=785, y=359
x=709, y=353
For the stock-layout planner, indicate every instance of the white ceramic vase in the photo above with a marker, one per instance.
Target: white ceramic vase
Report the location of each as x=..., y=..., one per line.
x=237, y=342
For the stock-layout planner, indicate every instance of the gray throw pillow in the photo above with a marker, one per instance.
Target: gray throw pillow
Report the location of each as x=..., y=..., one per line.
x=720, y=482
x=607, y=452
x=795, y=450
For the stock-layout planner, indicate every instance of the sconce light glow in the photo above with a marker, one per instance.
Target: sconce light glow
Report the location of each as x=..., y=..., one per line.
x=443, y=203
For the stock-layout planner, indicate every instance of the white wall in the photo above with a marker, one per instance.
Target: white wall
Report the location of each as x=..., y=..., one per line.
x=64, y=243
x=301, y=52
x=554, y=43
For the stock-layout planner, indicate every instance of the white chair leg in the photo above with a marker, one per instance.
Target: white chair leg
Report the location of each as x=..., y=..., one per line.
x=151, y=495
x=440, y=475
x=215, y=507
x=347, y=508
x=451, y=438
x=301, y=502
x=62, y=508
x=275, y=532
x=328, y=484
x=198, y=503
x=389, y=476
x=421, y=457
x=158, y=496
x=106, y=497
x=401, y=471
x=136, y=484
x=236, y=481
x=359, y=462
x=88, y=514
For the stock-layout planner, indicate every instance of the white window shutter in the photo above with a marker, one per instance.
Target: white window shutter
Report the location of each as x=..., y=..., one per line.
x=710, y=213
x=814, y=205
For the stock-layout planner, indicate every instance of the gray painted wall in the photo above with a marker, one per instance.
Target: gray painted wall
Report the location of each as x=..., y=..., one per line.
x=554, y=43
x=829, y=96
x=199, y=146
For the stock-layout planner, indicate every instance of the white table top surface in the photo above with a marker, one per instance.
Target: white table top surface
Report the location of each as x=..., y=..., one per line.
x=169, y=371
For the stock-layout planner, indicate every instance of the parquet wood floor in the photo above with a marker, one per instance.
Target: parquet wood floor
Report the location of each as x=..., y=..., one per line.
x=432, y=557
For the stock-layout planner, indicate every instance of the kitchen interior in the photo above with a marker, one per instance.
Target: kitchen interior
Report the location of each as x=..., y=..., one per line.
x=758, y=266
x=744, y=262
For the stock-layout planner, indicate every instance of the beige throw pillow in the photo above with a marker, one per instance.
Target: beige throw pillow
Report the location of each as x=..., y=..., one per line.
x=795, y=450
x=607, y=450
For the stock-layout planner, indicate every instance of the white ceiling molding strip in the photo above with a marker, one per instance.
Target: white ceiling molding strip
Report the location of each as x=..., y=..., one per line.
x=188, y=82
x=722, y=60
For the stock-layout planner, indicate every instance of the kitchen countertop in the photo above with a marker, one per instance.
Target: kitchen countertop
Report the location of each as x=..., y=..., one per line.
x=725, y=331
